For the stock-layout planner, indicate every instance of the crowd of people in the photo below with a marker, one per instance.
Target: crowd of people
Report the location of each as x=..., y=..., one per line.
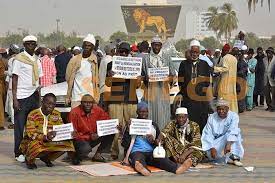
x=193, y=132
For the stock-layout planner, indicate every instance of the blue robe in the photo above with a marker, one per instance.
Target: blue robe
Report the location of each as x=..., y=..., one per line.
x=218, y=132
x=250, y=83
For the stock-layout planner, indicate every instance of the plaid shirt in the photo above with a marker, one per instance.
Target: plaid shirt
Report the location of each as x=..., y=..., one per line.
x=49, y=71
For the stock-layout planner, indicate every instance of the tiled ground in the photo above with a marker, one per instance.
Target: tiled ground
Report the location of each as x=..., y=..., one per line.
x=258, y=128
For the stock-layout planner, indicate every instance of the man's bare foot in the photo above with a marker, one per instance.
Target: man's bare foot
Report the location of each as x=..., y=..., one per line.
x=185, y=166
x=141, y=169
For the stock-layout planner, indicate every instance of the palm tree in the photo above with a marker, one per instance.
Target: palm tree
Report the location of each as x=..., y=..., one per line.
x=229, y=21
x=254, y=2
x=212, y=19
x=222, y=20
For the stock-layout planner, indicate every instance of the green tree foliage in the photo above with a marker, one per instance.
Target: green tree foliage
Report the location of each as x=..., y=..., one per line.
x=122, y=36
x=252, y=3
x=222, y=20
x=211, y=43
x=182, y=45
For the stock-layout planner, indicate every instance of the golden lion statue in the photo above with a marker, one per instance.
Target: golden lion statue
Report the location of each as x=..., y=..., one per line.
x=143, y=19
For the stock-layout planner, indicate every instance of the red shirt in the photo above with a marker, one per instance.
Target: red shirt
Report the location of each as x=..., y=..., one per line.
x=49, y=71
x=84, y=124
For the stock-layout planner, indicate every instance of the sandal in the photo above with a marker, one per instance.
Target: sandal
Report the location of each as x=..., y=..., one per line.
x=99, y=158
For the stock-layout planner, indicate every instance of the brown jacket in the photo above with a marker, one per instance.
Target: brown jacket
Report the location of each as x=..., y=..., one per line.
x=73, y=66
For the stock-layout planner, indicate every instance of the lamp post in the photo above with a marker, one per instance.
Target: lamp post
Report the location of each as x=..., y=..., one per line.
x=57, y=32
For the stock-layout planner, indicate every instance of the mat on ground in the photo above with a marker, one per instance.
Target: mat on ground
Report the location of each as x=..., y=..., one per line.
x=115, y=168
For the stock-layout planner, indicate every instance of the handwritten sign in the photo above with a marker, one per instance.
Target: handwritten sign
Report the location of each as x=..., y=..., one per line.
x=126, y=67
x=140, y=127
x=63, y=132
x=107, y=127
x=158, y=74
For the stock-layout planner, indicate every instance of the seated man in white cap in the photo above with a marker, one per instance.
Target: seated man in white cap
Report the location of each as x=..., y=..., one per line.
x=26, y=72
x=182, y=140
x=140, y=149
x=82, y=74
x=221, y=137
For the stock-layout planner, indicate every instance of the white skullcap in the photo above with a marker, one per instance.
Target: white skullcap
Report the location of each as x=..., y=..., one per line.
x=156, y=39
x=195, y=43
x=77, y=48
x=244, y=47
x=30, y=38
x=222, y=102
x=217, y=50
x=90, y=38
x=181, y=110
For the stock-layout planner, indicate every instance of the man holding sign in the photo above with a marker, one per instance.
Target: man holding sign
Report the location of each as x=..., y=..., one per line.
x=123, y=99
x=83, y=118
x=159, y=71
x=38, y=139
x=140, y=148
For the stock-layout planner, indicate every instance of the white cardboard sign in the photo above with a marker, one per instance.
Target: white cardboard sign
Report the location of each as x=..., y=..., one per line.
x=126, y=67
x=63, y=132
x=140, y=126
x=107, y=127
x=158, y=74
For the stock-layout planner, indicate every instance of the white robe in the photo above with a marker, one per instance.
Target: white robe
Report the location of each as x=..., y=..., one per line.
x=218, y=132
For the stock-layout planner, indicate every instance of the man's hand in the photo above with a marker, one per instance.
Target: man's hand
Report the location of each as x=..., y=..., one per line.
x=74, y=134
x=227, y=148
x=16, y=105
x=110, y=73
x=213, y=153
x=120, y=128
x=51, y=135
x=67, y=101
x=150, y=138
x=139, y=80
x=94, y=136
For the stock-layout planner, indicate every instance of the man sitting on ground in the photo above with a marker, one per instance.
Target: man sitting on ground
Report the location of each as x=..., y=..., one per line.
x=140, y=149
x=182, y=139
x=84, y=119
x=37, y=141
x=221, y=136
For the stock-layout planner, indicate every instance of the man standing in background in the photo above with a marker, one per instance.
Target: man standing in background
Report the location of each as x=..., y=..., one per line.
x=25, y=89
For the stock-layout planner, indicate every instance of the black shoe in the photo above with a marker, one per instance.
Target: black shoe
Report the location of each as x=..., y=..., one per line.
x=75, y=161
x=2, y=128
x=31, y=166
x=267, y=109
x=47, y=162
x=234, y=157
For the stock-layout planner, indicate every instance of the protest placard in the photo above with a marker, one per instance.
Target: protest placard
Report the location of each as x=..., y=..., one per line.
x=63, y=132
x=158, y=74
x=140, y=126
x=107, y=127
x=126, y=67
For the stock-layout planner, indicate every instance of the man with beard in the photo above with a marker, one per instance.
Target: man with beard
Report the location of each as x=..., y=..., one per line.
x=194, y=83
x=158, y=93
x=221, y=136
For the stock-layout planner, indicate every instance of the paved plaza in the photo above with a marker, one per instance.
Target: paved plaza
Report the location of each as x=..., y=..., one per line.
x=258, y=130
